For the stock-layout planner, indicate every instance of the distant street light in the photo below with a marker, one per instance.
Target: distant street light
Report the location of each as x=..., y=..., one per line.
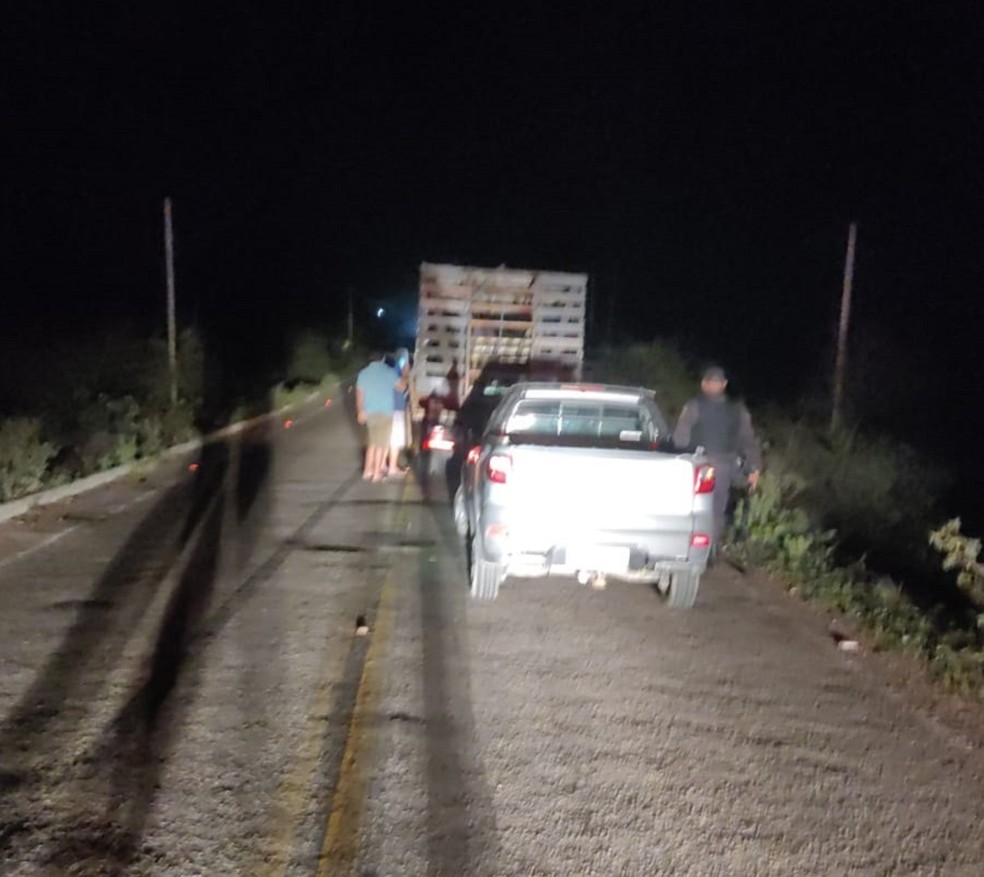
x=380, y=312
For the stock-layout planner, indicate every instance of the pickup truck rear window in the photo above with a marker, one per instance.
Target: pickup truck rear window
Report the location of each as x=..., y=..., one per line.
x=586, y=423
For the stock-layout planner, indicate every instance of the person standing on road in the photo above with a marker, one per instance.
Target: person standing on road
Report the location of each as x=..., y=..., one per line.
x=398, y=437
x=451, y=400
x=374, y=396
x=724, y=429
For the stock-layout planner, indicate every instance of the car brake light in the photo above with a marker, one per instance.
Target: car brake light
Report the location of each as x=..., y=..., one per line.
x=499, y=467
x=473, y=455
x=704, y=479
x=438, y=444
x=438, y=441
x=700, y=540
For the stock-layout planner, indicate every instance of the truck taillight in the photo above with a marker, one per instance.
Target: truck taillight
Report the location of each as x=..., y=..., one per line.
x=704, y=479
x=473, y=455
x=498, y=468
x=700, y=540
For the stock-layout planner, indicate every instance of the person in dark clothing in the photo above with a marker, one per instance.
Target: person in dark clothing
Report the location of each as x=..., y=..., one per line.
x=724, y=429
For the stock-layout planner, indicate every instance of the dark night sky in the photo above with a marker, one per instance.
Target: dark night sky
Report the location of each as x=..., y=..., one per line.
x=701, y=160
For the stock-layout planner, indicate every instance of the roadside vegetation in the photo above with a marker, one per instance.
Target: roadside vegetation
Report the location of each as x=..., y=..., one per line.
x=850, y=520
x=80, y=409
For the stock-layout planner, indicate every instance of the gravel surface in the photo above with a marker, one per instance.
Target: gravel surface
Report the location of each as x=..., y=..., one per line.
x=183, y=692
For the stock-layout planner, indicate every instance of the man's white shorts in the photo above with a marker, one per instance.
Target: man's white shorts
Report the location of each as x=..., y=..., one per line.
x=398, y=438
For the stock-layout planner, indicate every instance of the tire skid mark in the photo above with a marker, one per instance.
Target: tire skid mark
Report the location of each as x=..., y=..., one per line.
x=265, y=571
x=131, y=749
x=130, y=581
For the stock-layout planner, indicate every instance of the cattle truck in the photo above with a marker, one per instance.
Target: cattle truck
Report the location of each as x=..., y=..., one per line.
x=473, y=319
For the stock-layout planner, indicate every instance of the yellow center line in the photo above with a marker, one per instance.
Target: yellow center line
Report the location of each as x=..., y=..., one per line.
x=340, y=848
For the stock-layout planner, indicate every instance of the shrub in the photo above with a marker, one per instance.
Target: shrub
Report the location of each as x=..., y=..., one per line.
x=291, y=393
x=347, y=358
x=961, y=553
x=118, y=431
x=177, y=424
x=657, y=366
x=772, y=531
x=310, y=357
x=24, y=457
x=125, y=451
x=155, y=384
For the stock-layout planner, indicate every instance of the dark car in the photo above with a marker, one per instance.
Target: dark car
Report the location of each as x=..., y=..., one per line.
x=446, y=444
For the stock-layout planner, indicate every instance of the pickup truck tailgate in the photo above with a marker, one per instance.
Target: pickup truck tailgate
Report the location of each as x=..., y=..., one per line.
x=558, y=494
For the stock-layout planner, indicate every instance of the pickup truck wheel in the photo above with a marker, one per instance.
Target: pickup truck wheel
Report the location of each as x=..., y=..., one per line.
x=485, y=574
x=683, y=589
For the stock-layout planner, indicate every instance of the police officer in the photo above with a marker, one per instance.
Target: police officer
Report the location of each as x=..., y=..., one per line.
x=724, y=429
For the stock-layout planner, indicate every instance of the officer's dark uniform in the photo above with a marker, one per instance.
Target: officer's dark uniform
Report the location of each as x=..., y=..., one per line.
x=724, y=429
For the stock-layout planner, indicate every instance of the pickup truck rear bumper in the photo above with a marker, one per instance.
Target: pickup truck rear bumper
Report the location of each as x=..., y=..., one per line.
x=630, y=546
x=530, y=566
x=623, y=560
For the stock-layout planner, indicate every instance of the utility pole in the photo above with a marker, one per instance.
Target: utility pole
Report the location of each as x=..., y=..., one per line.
x=840, y=367
x=172, y=340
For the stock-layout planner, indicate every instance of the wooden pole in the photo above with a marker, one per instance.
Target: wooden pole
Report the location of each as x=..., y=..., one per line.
x=840, y=366
x=172, y=340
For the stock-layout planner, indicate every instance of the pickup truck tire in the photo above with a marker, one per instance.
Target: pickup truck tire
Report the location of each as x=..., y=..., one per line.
x=485, y=574
x=683, y=589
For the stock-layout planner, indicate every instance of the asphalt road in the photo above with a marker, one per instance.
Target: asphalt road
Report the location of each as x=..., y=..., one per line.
x=183, y=692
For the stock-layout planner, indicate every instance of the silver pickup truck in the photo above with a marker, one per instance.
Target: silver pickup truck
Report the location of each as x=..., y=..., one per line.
x=582, y=480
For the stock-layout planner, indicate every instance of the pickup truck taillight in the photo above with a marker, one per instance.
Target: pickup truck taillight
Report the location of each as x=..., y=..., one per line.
x=703, y=479
x=498, y=468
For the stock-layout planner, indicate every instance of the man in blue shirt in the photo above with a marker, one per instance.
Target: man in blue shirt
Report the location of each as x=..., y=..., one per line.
x=374, y=397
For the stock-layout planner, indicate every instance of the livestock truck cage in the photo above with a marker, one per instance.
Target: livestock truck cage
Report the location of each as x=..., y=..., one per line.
x=470, y=317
